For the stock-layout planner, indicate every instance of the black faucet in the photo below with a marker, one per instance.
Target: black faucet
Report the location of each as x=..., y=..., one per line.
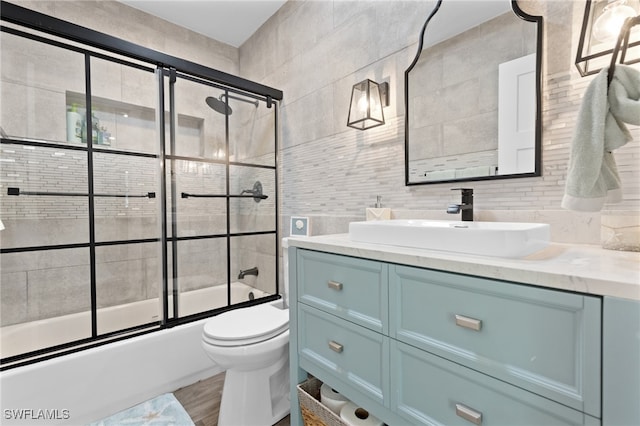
x=252, y=271
x=466, y=205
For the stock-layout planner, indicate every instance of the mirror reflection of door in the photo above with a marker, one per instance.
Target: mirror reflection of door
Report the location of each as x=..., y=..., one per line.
x=466, y=119
x=516, y=115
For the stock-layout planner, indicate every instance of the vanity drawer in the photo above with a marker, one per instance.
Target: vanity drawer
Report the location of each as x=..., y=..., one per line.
x=354, y=354
x=351, y=288
x=431, y=390
x=545, y=341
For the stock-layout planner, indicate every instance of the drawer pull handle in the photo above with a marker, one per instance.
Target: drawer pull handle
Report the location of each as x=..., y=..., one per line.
x=469, y=414
x=336, y=347
x=335, y=285
x=470, y=323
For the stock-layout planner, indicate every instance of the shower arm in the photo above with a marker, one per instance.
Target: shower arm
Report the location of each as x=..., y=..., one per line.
x=255, y=103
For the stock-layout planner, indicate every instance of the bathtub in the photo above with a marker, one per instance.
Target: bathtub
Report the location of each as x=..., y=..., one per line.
x=30, y=336
x=88, y=385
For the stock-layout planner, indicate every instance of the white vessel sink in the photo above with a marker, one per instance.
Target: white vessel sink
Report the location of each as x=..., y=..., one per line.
x=501, y=239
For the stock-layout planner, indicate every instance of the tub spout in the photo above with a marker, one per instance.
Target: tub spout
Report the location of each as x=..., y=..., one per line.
x=252, y=271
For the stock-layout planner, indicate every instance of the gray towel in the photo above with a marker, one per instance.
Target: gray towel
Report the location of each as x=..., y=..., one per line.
x=592, y=176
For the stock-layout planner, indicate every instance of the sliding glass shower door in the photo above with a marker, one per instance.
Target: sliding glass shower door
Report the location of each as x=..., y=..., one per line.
x=133, y=196
x=80, y=249
x=221, y=196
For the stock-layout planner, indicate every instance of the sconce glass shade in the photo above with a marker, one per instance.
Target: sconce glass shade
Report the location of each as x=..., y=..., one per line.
x=367, y=100
x=607, y=26
x=601, y=26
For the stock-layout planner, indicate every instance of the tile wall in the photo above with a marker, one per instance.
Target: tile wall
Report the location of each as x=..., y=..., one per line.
x=316, y=50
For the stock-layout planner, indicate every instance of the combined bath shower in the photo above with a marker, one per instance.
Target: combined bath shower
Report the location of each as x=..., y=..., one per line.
x=219, y=105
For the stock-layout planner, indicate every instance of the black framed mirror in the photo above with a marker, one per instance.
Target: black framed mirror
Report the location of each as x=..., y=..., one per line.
x=473, y=96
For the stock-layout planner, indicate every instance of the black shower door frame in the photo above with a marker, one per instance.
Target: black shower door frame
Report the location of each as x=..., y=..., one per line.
x=165, y=67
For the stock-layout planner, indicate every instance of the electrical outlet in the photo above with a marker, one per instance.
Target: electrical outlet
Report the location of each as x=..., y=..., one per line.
x=300, y=226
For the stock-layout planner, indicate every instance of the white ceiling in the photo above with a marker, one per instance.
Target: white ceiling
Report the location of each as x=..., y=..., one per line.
x=229, y=21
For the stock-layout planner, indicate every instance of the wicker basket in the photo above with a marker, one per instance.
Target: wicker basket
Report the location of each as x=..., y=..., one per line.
x=313, y=412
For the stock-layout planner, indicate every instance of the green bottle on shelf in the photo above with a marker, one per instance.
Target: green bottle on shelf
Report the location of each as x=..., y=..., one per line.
x=95, y=131
x=74, y=124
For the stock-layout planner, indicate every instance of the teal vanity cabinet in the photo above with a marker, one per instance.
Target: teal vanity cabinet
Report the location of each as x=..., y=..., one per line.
x=491, y=352
x=414, y=345
x=339, y=327
x=621, y=362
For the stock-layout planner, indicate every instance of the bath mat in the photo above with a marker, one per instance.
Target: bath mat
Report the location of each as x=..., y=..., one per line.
x=163, y=410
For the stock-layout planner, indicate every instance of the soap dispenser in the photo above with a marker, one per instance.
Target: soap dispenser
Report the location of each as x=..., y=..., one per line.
x=378, y=212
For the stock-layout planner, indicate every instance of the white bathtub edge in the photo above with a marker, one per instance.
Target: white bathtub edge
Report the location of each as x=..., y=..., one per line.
x=95, y=383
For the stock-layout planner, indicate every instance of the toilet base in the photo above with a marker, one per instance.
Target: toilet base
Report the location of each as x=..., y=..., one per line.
x=258, y=397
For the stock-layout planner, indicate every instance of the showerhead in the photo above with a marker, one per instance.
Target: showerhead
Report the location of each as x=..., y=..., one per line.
x=218, y=105
x=222, y=107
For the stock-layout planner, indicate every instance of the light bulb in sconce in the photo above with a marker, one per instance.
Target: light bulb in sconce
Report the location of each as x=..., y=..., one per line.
x=607, y=27
x=363, y=104
x=373, y=103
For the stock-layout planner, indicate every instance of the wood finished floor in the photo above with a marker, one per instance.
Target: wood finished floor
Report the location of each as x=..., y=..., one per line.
x=201, y=400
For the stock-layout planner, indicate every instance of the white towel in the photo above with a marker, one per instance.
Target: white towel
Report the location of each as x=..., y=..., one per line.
x=592, y=176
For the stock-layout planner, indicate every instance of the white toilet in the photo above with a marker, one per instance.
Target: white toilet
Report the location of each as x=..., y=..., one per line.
x=252, y=344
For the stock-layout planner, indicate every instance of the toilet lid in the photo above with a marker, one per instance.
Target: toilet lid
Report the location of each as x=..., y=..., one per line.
x=246, y=325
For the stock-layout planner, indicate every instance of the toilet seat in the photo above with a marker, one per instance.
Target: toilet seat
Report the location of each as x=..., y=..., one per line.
x=245, y=326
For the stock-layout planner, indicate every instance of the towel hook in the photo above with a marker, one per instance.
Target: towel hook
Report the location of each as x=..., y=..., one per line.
x=621, y=45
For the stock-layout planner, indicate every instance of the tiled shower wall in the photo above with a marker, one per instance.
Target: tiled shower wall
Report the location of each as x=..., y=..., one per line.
x=119, y=20
x=316, y=50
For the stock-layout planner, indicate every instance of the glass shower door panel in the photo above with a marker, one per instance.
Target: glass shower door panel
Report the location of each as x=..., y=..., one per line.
x=251, y=131
x=253, y=266
x=200, y=130
x=35, y=79
x=38, y=216
x=123, y=101
x=201, y=275
x=46, y=299
x=127, y=201
x=128, y=279
x=201, y=207
x=249, y=214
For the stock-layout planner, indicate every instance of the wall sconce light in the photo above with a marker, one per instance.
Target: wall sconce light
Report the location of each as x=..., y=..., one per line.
x=601, y=26
x=367, y=100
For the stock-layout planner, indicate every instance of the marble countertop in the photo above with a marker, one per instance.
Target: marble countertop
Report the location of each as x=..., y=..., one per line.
x=580, y=268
